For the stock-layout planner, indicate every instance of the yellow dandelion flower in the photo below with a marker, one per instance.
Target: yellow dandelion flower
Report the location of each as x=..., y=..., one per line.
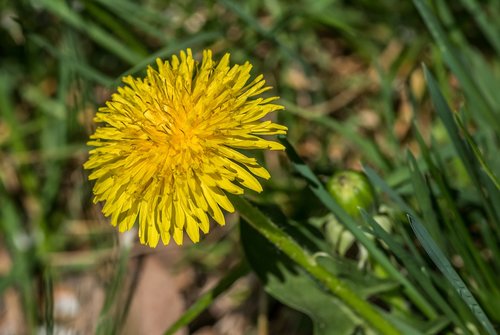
x=167, y=147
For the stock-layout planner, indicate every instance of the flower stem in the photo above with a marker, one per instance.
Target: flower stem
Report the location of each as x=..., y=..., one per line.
x=320, y=192
x=288, y=246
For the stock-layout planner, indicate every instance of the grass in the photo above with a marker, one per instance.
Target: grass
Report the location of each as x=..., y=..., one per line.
x=357, y=96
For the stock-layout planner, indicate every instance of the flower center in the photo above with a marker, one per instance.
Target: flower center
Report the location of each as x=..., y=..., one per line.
x=183, y=138
x=187, y=147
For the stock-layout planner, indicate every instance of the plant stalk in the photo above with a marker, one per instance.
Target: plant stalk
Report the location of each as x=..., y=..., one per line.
x=286, y=244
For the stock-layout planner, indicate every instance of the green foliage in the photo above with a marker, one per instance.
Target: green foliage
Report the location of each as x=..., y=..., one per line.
x=62, y=59
x=208, y=298
x=288, y=282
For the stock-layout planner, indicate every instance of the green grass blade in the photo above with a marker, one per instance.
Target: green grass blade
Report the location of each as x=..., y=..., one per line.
x=337, y=17
x=380, y=183
x=446, y=115
x=423, y=196
x=117, y=28
x=127, y=303
x=11, y=222
x=295, y=252
x=99, y=35
x=351, y=225
x=270, y=34
x=8, y=114
x=248, y=18
x=477, y=153
x=459, y=68
x=204, y=301
x=139, y=17
x=447, y=19
x=168, y=50
x=21, y=273
x=369, y=150
x=490, y=31
x=81, y=68
x=488, y=76
x=107, y=323
x=146, y=14
x=464, y=152
x=490, y=242
x=451, y=275
x=415, y=267
x=457, y=235
x=6, y=279
x=387, y=99
x=48, y=296
x=287, y=282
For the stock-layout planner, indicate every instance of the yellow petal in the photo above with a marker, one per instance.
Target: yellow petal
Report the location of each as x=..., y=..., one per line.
x=178, y=235
x=167, y=147
x=214, y=209
x=192, y=229
x=246, y=179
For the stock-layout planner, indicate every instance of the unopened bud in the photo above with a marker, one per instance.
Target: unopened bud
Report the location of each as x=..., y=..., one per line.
x=352, y=190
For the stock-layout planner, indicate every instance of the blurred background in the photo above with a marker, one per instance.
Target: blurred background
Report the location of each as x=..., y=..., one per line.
x=348, y=72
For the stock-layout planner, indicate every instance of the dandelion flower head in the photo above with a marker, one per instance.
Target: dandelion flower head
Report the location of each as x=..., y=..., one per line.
x=167, y=147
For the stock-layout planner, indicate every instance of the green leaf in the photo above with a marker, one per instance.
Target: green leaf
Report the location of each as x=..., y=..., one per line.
x=116, y=27
x=306, y=261
x=362, y=282
x=111, y=306
x=451, y=275
x=416, y=269
x=446, y=115
x=490, y=30
x=48, y=297
x=347, y=130
x=22, y=269
x=465, y=153
x=452, y=56
x=423, y=196
x=289, y=283
x=377, y=254
x=477, y=153
x=98, y=34
x=167, y=51
x=78, y=66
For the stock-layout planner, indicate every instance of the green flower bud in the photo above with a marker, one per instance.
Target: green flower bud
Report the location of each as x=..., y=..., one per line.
x=352, y=189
